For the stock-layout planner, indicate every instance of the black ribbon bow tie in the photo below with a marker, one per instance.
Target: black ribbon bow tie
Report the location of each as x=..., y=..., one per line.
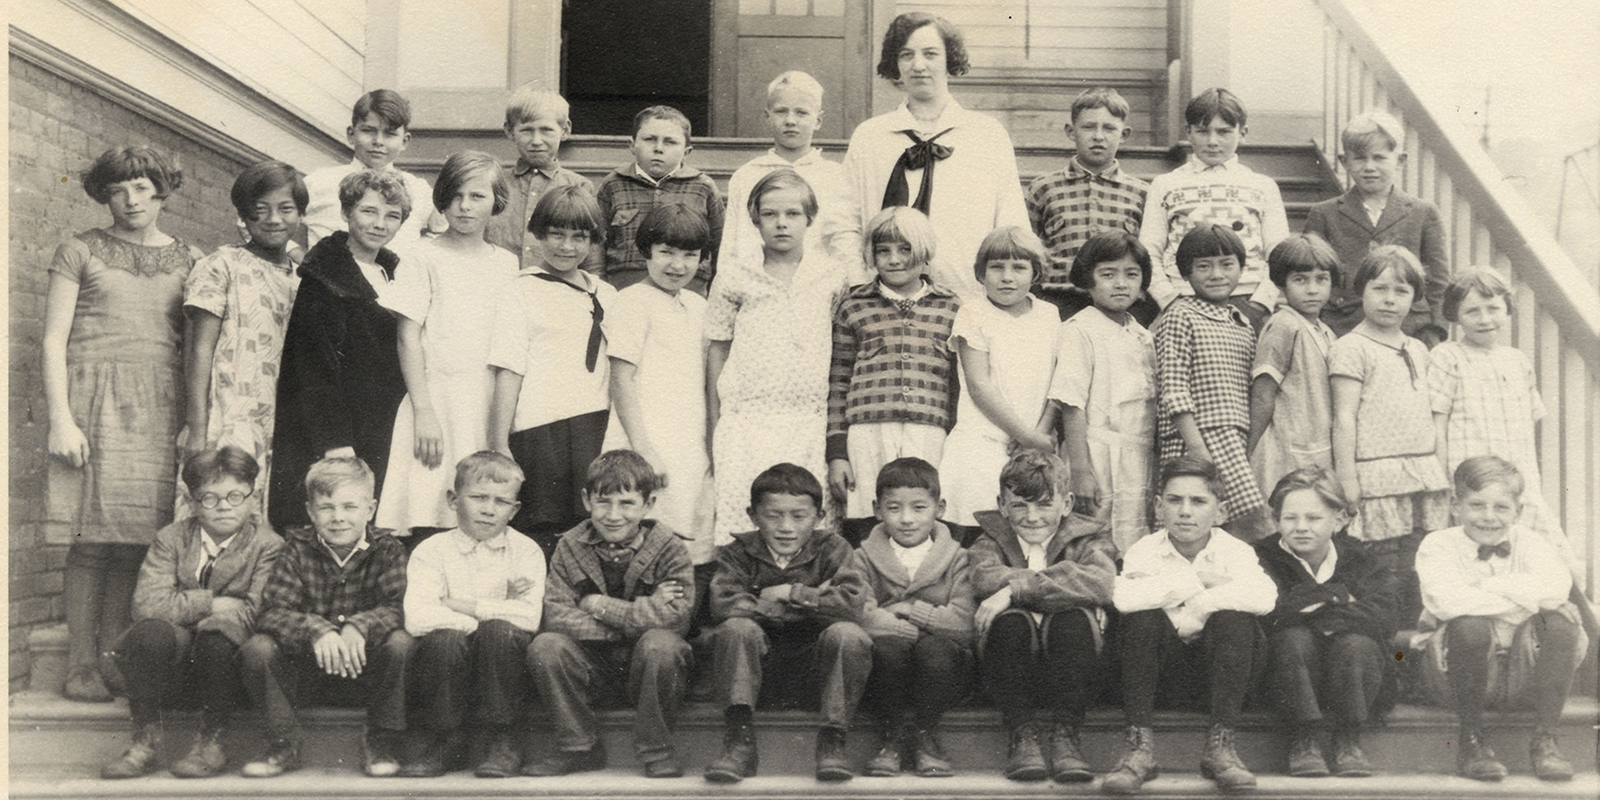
x=1502, y=550
x=922, y=154
x=597, y=315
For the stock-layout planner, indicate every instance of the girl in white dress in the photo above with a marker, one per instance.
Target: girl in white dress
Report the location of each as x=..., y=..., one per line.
x=444, y=296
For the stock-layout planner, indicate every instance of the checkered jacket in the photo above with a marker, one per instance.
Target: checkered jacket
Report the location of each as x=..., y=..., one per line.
x=891, y=365
x=575, y=573
x=1069, y=205
x=310, y=595
x=1204, y=352
x=625, y=198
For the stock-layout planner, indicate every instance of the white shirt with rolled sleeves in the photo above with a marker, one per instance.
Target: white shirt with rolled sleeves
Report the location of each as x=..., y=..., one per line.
x=1456, y=583
x=1154, y=575
x=453, y=565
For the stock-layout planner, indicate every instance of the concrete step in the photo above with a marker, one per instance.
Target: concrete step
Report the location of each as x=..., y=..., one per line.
x=616, y=784
x=50, y=735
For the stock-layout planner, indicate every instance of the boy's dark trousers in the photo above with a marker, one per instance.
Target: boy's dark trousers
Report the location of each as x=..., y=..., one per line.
x=1215, y=670
x=484, y=673
x=652, y=671
x=1468, y=643
x=278, y=679
x=927, y=676
x=169, y=665
x=1317, y=678
x=1045, y=665
x=820, y=663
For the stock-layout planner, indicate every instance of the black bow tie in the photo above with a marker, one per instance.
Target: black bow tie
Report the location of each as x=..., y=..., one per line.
x=597, y=315
x=1502, y=550
x=922, y=154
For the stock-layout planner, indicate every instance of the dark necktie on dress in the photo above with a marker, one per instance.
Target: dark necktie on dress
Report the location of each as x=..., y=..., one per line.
x=923, y=154
x=1502, y=550
x=597, y=314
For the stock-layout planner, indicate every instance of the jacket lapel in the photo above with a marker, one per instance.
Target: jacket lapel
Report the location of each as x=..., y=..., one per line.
x=1350, y=208
x=1398, y=208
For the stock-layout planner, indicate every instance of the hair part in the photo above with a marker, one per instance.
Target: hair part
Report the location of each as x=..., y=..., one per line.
x=1208, y=240
x=1302, y=252
x=387, y=104
x=131, y=163
x=1371, y=130
x=618, y=471
x=464, y=166
x=1481, y=281
x=897, y=224
x=786, y=478
x=781, y=178
x=1317, y=480
x=531, y=101
x=1010, y=242
x=908, y=472
x=1101, y=97
x=674, y=225
x=1477, y=473
x=263, y=178
x=1109, y=245
x=572, y=207
x=1383, y=258
x=956, y=61
x=209, y=466
x=667, y=113
x=801, y=82
x=1194, y=467
x=487, y=466
x=386, y=183
x=328, y=474
x=1215, y=103
x=1036, y=477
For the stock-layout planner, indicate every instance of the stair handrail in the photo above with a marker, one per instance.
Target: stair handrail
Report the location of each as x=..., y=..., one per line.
x=1563, y=289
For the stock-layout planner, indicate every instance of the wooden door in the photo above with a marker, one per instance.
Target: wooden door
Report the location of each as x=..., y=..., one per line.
x=755, y=40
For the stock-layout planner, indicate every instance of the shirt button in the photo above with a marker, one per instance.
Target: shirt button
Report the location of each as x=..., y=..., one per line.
x=341, y=618
x=906, y=357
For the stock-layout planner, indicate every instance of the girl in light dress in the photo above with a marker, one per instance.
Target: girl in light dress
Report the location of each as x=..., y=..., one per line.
x=113, y=332
x=443, y=300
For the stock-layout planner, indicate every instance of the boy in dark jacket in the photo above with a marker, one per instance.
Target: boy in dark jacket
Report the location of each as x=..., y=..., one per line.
x=784, y=595
x=1044, y=582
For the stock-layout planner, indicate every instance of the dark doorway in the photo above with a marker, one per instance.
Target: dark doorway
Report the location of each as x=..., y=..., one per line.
x=620, y=56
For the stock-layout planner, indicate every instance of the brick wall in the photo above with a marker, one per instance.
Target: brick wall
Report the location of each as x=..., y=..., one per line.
x=57, y=128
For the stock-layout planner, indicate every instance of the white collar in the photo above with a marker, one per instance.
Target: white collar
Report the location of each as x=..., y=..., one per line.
x=645, y=176
x=904, y=120
x=1320, y=574
x=466, y=544
x=361, y=545
x=1194, y=164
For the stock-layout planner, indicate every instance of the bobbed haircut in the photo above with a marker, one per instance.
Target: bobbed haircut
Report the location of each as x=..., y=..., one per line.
x=1036, y=477
x=674, y=225
x=210, y=466
x=1101, y=97
x=909, y=472
x=897, y=224
x=387, y=184
x=131, y=163
x=570, y=207
x=1109, y=245
x=1372, y=130
x=487, y=465
x=617, y=471
x=1193, y=467
x=1010, y=242
x=799, y=81
x=786, y=478
x=464, y=166
x=263, y=178
x=1215, y=103
x=1317, y=480
x=1481, y=281
x=387, y=104
x=955, y=48
x=1476, y=473
x=1208, y=240
x=781, y=178
x=667, y=113
x=531, y=101
x=1383, y=258
x=327, y=475
x=1301, y=252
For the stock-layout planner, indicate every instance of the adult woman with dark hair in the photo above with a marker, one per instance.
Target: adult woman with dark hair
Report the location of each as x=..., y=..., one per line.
x=955, y=165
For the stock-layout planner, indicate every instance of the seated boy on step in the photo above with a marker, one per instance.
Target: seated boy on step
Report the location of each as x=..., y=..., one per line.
x=783, y=596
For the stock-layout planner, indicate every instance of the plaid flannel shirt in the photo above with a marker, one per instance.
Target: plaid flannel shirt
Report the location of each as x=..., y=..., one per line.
x=575, y=573
x=891, y=365
x=624, y=200
x=309, y=595
x=1068, y=206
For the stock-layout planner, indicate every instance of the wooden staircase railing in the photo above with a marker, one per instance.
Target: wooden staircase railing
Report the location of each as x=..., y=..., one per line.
x=1556, y=314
